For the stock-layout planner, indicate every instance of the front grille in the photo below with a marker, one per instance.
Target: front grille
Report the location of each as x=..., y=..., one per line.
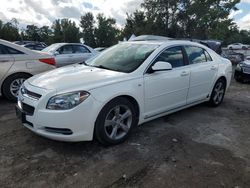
x=27, y=109
x=246, y=70
x=58, y=130
x=26, y=92
x=33, y=95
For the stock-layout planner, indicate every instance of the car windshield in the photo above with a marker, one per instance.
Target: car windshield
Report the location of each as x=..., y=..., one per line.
x=50, y=48
x=124, y=57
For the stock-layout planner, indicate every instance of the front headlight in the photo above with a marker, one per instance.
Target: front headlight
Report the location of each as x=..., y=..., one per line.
x=238, y=67
x=67, y=101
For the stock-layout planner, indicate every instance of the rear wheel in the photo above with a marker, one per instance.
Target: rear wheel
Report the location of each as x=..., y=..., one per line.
x=238, y=79
x=218, y=93
x=12, y=84
x=115, y=122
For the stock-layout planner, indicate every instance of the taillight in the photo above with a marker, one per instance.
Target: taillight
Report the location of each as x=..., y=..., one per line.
x=50, y=61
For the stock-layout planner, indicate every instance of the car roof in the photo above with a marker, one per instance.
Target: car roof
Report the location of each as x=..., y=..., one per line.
x=16, y=46
x=167, y=42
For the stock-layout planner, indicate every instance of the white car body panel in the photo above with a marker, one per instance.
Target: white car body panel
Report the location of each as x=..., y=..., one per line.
x=156, y=94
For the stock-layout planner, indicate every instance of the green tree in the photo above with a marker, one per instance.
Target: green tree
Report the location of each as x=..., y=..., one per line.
x=32, y=33
x=65, y=30
x=137, y=24
x=45, y=34
x=9, y=30
x=87, y=22
x=106, y=31
x=57, y=31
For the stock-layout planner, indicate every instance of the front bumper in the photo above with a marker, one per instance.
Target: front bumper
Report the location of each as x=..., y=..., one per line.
x=72, y=125
x=240, y=75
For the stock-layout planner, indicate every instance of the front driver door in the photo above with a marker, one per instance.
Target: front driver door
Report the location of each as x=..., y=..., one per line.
x=166, y=90
x=65, y=56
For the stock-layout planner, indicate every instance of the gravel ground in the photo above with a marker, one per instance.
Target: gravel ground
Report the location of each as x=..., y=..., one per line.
x=197, y=147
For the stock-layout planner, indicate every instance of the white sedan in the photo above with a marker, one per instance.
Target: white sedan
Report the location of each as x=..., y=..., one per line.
x=238, y=46
x=70, y=53
x=126, y=85
x=17, y=64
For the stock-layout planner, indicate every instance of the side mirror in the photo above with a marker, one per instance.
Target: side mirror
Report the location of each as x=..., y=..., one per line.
x=161, y=66
x=56, y=53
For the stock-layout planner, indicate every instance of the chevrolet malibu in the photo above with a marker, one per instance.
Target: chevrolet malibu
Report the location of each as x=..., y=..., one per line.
x=126, y=85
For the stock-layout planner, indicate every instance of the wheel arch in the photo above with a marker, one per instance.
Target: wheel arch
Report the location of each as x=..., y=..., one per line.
x=223, y=78
x=4, y=80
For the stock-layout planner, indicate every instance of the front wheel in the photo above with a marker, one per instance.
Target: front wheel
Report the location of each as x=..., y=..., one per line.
x=218, y=93
x=115, y=121
x=12, y=84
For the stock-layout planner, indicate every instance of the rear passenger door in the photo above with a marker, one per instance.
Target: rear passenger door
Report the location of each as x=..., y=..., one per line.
x=203, y=73
x=65, y=56
x=81, y=53
x=6, y=61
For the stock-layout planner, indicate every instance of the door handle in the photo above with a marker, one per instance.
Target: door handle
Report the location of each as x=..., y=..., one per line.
x=4, y=61
x=213, y=68
x=70, y=55
x=184, y=73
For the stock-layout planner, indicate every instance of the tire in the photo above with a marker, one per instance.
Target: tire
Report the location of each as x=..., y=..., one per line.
x=238, y=79
x=12, y=84
x=218, y=93
x=115, y=122
x=230, y=48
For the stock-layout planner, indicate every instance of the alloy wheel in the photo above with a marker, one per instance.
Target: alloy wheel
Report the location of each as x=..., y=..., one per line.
x=15, y=86
x=118, y=122
x=219, y=91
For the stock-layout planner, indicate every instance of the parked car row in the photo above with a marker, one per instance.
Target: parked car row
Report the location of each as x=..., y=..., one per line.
x=17, y=62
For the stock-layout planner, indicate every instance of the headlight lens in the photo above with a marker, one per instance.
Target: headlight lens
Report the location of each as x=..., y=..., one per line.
x=238, y=66
x=67, y=101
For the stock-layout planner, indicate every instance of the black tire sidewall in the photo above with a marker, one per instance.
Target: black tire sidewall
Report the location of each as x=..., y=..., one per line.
x=100, y=133
x=6, y=85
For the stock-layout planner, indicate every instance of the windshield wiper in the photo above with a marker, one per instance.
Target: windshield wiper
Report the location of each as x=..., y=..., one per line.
x=102, y=67
x=83, y=63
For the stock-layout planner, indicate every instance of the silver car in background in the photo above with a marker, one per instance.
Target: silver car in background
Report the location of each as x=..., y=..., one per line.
x=70, y=53
x=17, y=64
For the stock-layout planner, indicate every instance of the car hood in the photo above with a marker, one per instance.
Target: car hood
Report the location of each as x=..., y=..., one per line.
x=246, y=62
x=76, y=77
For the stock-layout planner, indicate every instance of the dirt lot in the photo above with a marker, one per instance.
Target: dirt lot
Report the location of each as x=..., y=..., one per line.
x=197, y=147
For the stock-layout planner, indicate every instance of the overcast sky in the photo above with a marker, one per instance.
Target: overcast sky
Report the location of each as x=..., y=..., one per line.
x=44, y=12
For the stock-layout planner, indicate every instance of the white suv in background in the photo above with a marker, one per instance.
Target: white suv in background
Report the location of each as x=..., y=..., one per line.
x=17, y=64
x=128, y=84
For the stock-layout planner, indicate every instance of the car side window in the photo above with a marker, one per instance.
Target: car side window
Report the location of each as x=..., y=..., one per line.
x=208, y=57
x=2, y=50
x=80, y=49
x=195, y=54
x=9, y=50
x=173, y=55
x=67, y=49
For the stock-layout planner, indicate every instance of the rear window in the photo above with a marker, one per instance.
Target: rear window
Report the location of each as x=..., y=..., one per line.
x=197, y=55
x=9, y=50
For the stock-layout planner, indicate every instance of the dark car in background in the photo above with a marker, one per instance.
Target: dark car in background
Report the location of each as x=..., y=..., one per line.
x=242, y=70
x=35, y=46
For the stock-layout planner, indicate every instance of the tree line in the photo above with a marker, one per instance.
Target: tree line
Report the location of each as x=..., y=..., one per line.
x=199, y=19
